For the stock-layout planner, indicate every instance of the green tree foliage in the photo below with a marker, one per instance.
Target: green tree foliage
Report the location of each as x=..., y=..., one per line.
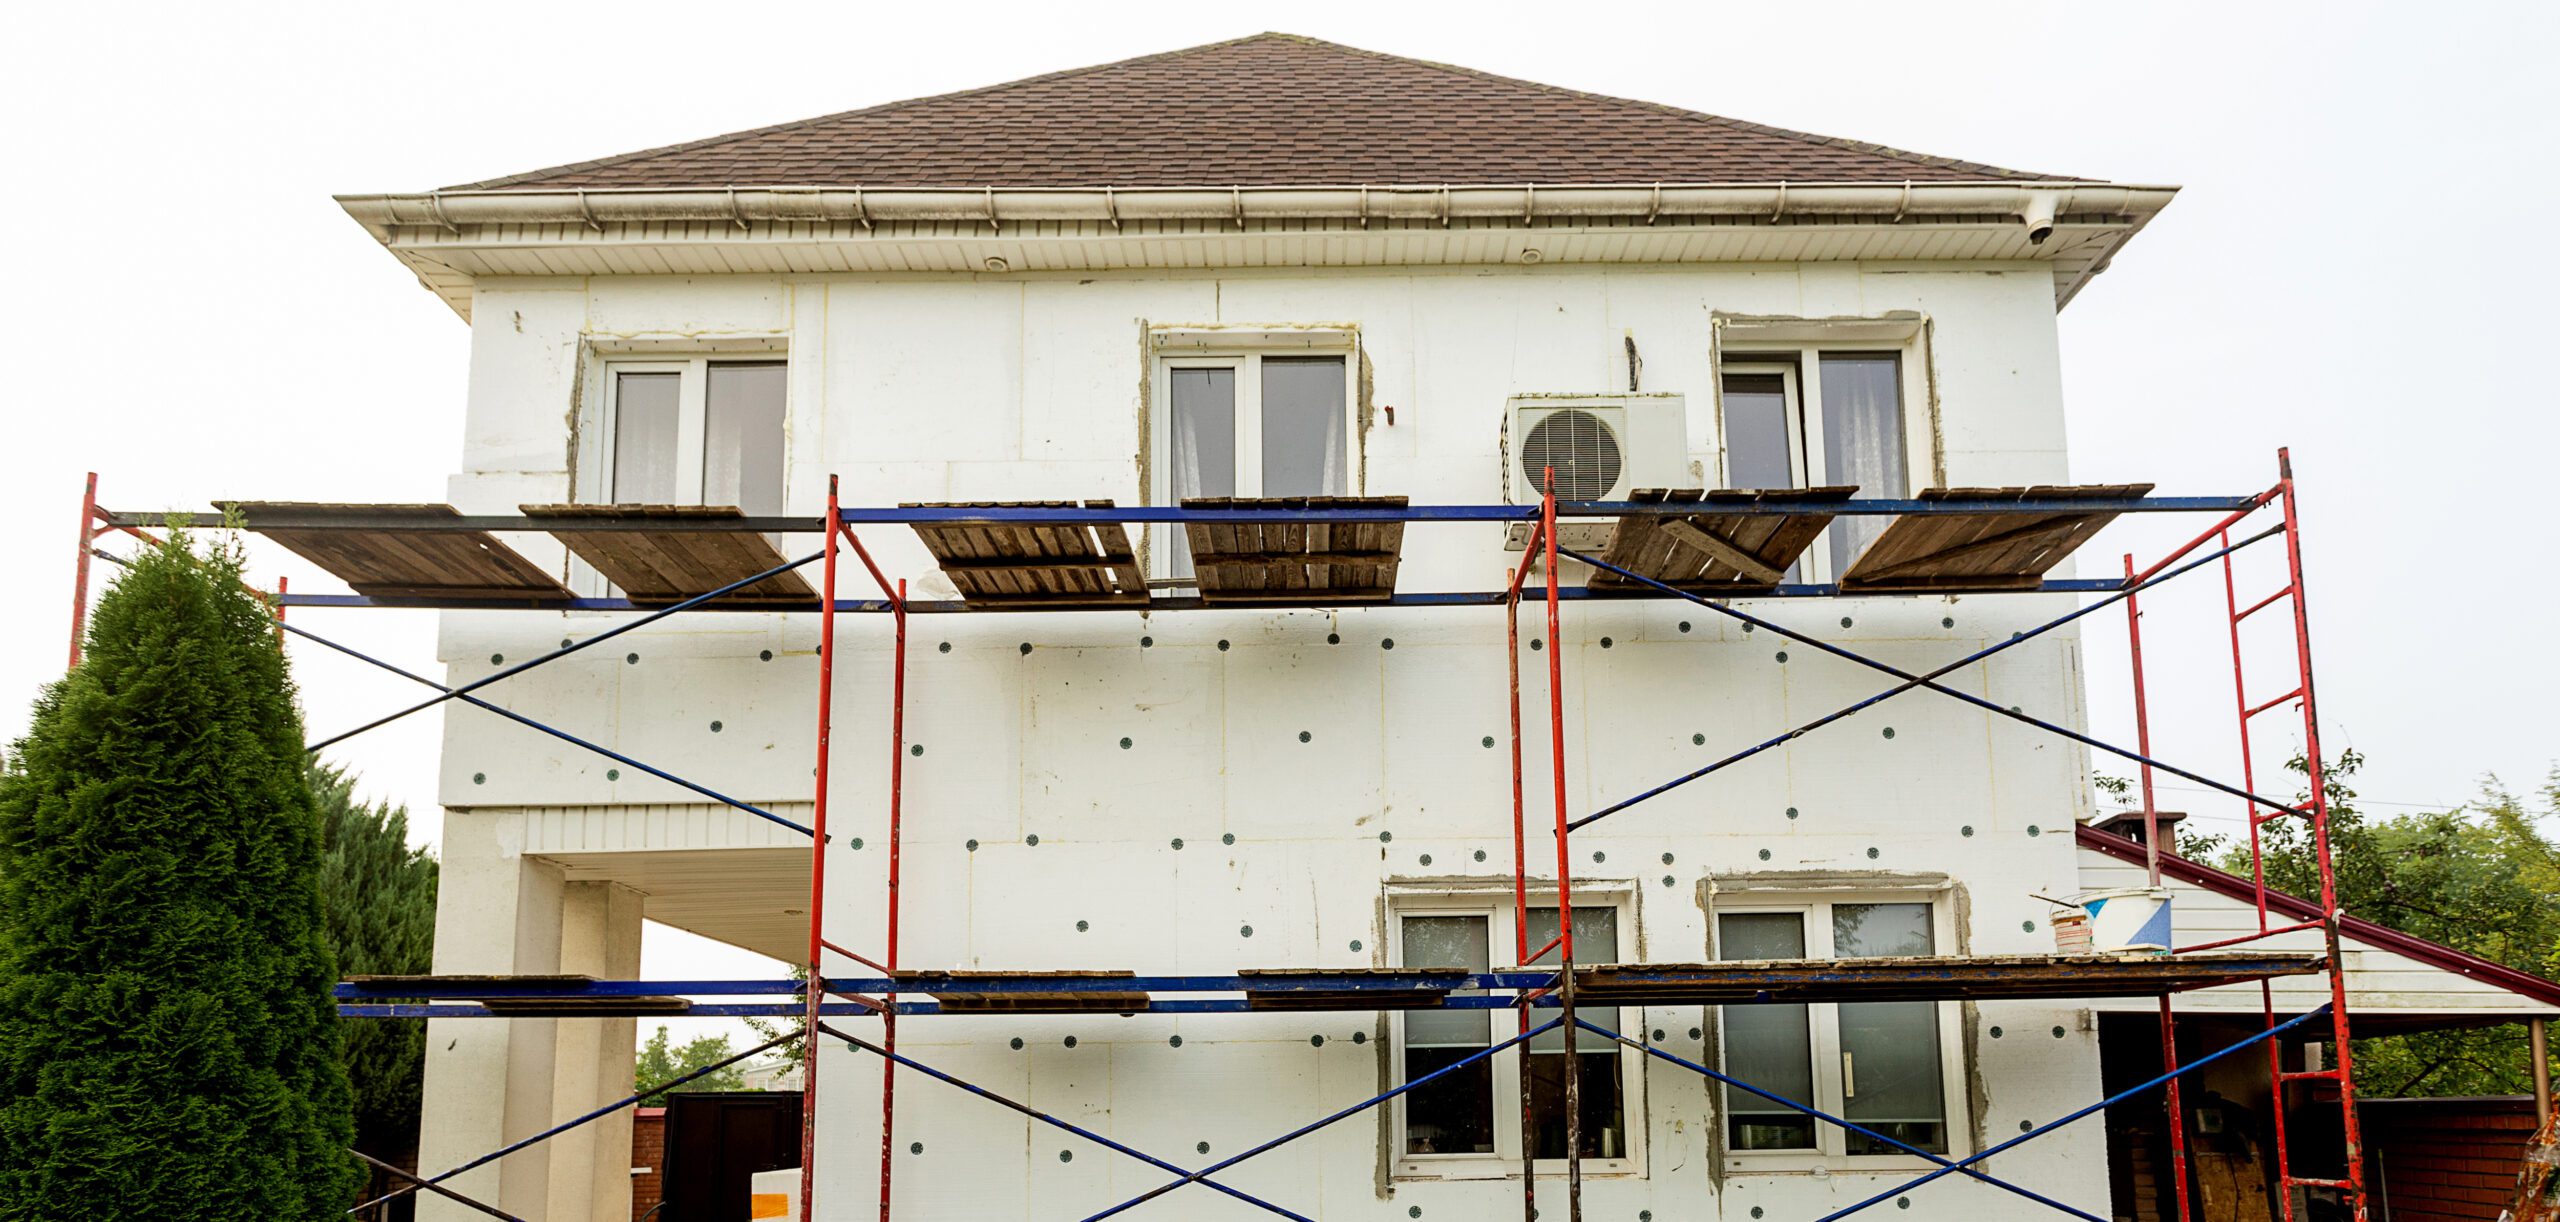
x=661, y=1062
x=789, y=1050
x=2478, y=879
x=168, y=1048
x=379, y=897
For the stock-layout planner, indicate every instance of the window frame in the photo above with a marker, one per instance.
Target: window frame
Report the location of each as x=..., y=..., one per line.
x=599, y=426
x=1830, y=1150
x=1803, y=434
x=693, y=417
x=1494, y=900
x=692, y=394
x=1243, y=352
x=1800, y=362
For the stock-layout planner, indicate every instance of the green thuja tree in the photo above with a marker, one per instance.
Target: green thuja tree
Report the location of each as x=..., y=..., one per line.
x=378, y=896
x=168, y=1048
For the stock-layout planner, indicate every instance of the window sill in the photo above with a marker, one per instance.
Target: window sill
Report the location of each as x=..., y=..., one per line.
x=1463, y=1168
x=1823, y=1165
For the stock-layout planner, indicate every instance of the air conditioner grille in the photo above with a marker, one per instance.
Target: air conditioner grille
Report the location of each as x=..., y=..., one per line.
x=1581, y=449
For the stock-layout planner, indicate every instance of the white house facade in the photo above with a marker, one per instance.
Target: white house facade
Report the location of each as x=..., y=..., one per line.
x=1107, y=307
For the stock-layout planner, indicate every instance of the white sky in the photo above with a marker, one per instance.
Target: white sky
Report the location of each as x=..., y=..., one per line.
x=2353, y=270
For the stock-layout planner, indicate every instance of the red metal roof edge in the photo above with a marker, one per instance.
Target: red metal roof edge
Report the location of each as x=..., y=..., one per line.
x=2461, y=963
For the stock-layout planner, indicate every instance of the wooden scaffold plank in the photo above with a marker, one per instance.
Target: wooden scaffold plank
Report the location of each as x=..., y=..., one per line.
x=1019, y=566
x=1957, y=552
x=655, y=567
x=378, y=558
x=1717, y=553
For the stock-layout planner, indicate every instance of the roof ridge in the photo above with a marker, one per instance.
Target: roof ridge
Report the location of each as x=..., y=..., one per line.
x=876, y=108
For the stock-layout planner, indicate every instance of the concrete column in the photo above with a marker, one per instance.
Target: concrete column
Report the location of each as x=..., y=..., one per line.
x=2539, y=1040
x=591, y=1164
x=490, y=1080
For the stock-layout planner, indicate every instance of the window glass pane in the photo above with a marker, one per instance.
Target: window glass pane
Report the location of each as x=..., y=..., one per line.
x=1302, y=426
x=1757, y=452
x=1861, y=930
x=742, y=436
x=1889, y=1074
x=1595, y=940
x=1889, y=1057
x=1447, y=941
x=1768, y=1046
x=1604, y=1125
x=1861, y=440
x=1595, y=934
x=644, y=438
x=1203, y=451
x=1760, y=935
x=1452, y=1114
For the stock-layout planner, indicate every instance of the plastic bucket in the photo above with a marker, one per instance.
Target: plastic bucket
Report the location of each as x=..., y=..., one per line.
x=2131, y=920
x=2071, y=931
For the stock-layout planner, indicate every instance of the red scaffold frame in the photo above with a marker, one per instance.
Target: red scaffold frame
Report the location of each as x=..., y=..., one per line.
x=1533, y=984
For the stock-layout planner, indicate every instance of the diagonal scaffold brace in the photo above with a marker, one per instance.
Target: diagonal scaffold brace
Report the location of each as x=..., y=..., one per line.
x=1913, y=681
x=2082, y=1114
x=554, y=731
x=566, y=1125
x=1201, y=1176
x=564, y=651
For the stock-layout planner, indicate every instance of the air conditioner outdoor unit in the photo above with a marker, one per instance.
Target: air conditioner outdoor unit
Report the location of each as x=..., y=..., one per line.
x=1599, y=447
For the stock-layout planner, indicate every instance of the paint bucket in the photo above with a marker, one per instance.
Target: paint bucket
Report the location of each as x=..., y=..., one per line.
x=2133, y=920
x=2071, y=930
x=774, y=1195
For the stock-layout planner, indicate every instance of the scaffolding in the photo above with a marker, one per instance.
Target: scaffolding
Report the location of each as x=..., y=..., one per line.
x=1716, y=550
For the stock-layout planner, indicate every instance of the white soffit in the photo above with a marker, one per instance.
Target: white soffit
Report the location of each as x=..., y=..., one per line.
x=451, y=240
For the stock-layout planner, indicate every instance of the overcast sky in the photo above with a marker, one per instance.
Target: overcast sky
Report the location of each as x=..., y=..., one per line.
x=2353, y=270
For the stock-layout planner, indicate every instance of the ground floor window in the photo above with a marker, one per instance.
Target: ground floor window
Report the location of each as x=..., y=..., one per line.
x=1893, y=1067
x=1467, y=1122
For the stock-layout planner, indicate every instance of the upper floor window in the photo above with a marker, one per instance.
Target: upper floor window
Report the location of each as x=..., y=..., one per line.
x=1890, y=1066
x=1249, y=423
x=1467, y=1123
x=695, y=432
x=1853, y=432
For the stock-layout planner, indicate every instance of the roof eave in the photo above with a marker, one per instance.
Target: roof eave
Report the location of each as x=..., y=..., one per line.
x=1385, y=201
x=2107, y=212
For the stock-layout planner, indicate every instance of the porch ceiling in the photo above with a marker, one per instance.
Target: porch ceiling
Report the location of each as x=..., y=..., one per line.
x=751, y=898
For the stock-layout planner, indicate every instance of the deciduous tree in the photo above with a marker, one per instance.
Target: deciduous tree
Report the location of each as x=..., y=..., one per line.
x=661, y=1062
x=2478, y=879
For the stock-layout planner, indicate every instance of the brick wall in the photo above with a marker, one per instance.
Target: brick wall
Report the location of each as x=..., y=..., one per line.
x=648, y=1149
x=2446, y=1160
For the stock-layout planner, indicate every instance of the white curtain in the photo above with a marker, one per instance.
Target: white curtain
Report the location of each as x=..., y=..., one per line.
x=1303, y=450
x=1861, y=441
x=1203, y=447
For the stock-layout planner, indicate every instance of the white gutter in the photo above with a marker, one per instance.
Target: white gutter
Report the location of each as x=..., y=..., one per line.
x=2034, y=205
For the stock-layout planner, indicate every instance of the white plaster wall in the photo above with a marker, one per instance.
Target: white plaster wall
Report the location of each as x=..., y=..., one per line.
x=1009, y=388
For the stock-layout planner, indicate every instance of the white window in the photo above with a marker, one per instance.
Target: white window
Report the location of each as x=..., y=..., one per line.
x=1855, y=432
x=1249, y=423
x=1467, y=1124
x=1892, y=1066
x=693, y=432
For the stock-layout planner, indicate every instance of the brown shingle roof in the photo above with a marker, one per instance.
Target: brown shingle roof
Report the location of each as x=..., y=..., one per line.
x=1270, y=110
